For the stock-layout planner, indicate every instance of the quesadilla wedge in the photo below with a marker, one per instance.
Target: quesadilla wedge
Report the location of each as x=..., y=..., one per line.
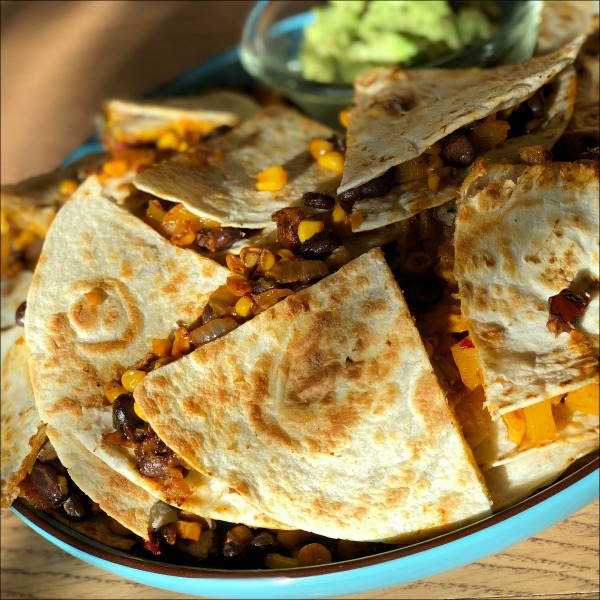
x=527, y=271
x=106, y=286
x=22, y=431
x=219, y=181
x=420, y=130
x=173, y=123
x=291, y=392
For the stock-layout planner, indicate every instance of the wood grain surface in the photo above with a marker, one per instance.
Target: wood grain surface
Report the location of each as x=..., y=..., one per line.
x=59, y=61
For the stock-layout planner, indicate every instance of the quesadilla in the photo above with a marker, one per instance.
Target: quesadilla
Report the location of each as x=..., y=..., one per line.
x=527, y=271
x=95, y=306
x=219, y=181
x=401, y=130
x=22, y=432
x=290, y=392
x=173, y=123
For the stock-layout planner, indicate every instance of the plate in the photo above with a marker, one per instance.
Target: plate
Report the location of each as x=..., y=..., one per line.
x=578, y=487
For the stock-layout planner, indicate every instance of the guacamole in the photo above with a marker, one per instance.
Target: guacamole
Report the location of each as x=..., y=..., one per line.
x=349, y=37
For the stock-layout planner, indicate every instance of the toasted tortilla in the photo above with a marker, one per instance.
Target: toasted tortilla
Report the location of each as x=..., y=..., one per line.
x=33, y=203
x=583, y=130
x=22, y=431
x=400, y=114
x=142, y=121
x=520, y=239
x=147, y=284
x=324, y=411
x=561, y=22
x=512, y=473
x=223, y=189
x=13, y=293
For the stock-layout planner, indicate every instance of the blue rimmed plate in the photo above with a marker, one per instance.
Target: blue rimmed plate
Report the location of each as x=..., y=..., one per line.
x=556, y=502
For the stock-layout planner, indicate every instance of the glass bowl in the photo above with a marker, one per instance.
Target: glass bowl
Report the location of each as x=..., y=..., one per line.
x=272, y=39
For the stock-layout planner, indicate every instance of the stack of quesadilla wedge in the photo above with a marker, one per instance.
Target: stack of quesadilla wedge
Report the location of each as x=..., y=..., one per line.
x=331, y=397
x=105, y=287
x=525, y=241
x=401, y=115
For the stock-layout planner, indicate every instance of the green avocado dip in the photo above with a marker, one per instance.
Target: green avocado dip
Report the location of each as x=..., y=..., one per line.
x=349, y=37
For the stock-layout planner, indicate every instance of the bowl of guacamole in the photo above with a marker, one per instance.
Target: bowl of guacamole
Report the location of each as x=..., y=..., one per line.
x=311, y=52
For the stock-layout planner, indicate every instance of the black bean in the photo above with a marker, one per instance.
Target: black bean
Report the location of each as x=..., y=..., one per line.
x=339, y=142
x=537, y=104
x=261, y=545
x=217, y=131
x=318, y=200
x=77, y=505
x=218, y=238
x=45, y=479
x=423, y=291
x=320, y=245
x=168, y=533
x=47, y=452
x=20, y=314
x=153, y=465
x=123, y=413
x=458, y=150
x=375, y=188
x=234, y=553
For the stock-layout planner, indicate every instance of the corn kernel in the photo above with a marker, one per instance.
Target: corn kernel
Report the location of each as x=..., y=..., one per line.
x=344, y=117
x=434, y=149
x=266, y=261
x=240, y=533
x=155, y=210
x=433, y=182
x=161, y=347
x=307, y=228
x=64, y=484
x=67, y=187
x=243, y=307
x=435, y=162
x=318, y=147
x=139, y=412
x=94, y=298
x=271, y=180
x=131, y=378
x=113, y=390
x=167, y=141
x=278, y=561
x=313, y=554
x=250, y=256
x=4, y=224
x=292, y=538
x=115, y=168
x=287, y=254
x=332, y=161
x=339, y=215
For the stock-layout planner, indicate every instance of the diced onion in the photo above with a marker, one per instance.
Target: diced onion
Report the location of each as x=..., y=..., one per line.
x=212, y=330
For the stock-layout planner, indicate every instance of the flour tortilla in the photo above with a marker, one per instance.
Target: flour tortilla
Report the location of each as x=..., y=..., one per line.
x=583, y=130
x=513, y=473
x=224, y=190
x=33, y=203
x=561, y=22
x=148, y=284
x=13, y=293
x=22, y=431
x=324, y=411
x=141, y=121
x=400, y=114
x=520, y=240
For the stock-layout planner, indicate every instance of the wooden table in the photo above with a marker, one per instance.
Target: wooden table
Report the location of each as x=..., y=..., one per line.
x=59, y=61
